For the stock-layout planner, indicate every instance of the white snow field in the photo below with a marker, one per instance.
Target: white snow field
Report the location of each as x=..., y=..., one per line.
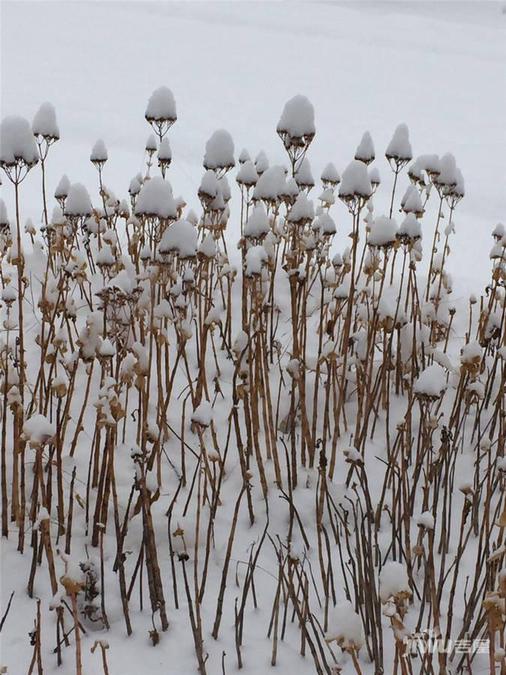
x=361, y=556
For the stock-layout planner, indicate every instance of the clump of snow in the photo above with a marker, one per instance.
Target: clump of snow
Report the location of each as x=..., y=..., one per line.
x=78, y=201
x=38, y=430
x=44, y=123
x=219, y=151
x=330, y=175
x=448, y=176
x=209, y=184
x=365, y=150
x=98, y=152
x=297, y=120
x=17, y=142
x=63, y=187
x=303, y=175
x=270, y=184
x=256, y=256
x=393, y=580
x=426, y=520
x=247, y=174
x=412, y=201
x=399, y=148
x=355, y=181
x=431, y=382
x=302, y=211
x=203, y=414
x=383, y=232
x=208, y=247
x=165, y=151
x=161, y=106
x=180, y=237
x=345, y=627
x=257, y=224
x=156, y=199
x=261, y=162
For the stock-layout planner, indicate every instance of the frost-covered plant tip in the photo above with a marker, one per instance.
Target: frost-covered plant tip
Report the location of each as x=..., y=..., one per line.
x=255, y=450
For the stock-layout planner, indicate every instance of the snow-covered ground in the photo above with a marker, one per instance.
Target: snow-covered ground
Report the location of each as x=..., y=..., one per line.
x=438, y=67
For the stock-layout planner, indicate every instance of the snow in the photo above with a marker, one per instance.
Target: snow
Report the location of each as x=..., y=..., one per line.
x=37, y=430
x=297, y=118
x=393, y=580
x=355, y=181
x=208, y=247
x=17, y=142
x=330, y=174
x=99, y=152
x=270, y=184
x=78, y=202
x=165, y=151
x=209, y=184
x=203, y=414
x=219, y=151
x=44, y=122
x=257, y=224
x=161, y=106
x=247, y=174
x=412, y=201
x=365, y=149
x=180, y=237
x=426, y=520
x=302, y=211
x=155, y=199
x=303, y=176
x=256, y=256
x=431, y=382
x=448, y=176
x=399, y=148
x=63, y=187
x=345, y=626
x=410, y=228
x=383, y=232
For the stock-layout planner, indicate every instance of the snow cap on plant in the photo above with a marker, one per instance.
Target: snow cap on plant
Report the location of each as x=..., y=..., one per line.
x=345, y=627
x=247, y=174
x=155, y=199
x=399, y=151
x=37, y=431
x=383, y=232
x=17, y=145
x=78, y=202
x=296, y=124
x=412, y=202
x=219, y=155
x=161, y=111
x=257, y=225
x=355, y=183
x=303, y=175
x=394, y=582
x=270, y=185
x=98, y=156
x=431, y=383
x=330, y=176
x=62, y=190
x=261, y=162
x=44, y=123
x=181, y=238
x=365, y=149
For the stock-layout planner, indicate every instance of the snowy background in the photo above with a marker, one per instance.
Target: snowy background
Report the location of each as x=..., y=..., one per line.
x=438, y=66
